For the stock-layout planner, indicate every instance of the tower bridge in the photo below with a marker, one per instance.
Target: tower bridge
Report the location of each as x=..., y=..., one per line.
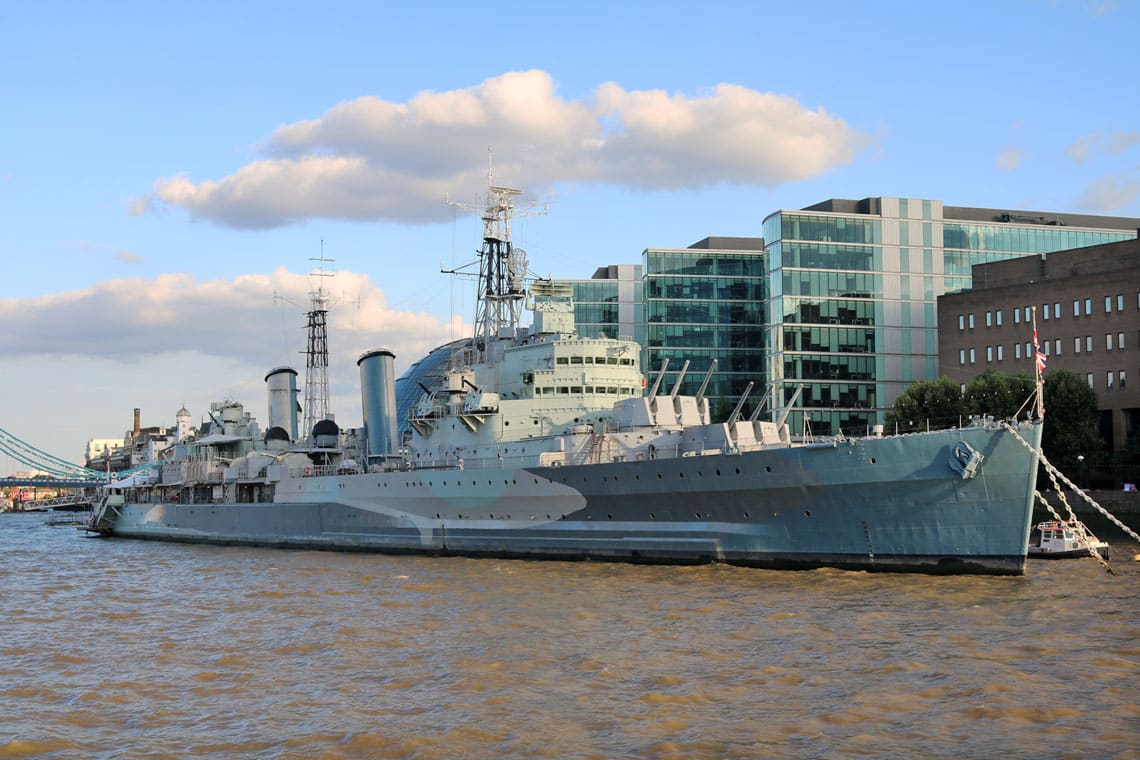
x=75, y=485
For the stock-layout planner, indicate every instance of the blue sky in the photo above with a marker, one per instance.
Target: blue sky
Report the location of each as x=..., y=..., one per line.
x=164, y=172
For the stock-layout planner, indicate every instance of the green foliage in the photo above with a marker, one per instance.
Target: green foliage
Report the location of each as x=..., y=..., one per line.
x=943, y=404
x=999, y=395
x=1071, y=422
x=938, y=403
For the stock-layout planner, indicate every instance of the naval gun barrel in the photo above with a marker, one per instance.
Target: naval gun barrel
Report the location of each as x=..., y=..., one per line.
x=732, y=418
x=705, y=382
x=760, y=404
x=680, y=377
x=657, y=382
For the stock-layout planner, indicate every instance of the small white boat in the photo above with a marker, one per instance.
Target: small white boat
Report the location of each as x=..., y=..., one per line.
x=1064, y=540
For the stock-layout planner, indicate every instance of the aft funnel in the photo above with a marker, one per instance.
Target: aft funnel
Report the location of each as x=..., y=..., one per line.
x=378, y=398
x=282, y=383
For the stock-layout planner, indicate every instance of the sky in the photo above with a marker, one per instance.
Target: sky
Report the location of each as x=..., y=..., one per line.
x=170, y=173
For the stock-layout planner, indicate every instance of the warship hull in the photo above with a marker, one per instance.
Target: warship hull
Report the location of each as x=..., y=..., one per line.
x=901, y=503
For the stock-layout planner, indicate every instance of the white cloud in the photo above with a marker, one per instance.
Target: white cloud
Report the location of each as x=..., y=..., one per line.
x=1111, y=193
x=132, y=320
x=370, y=159
x=1114, y=144
x=80, y=361
x=121, y=255
x=1010, y=158
x=1080, y=149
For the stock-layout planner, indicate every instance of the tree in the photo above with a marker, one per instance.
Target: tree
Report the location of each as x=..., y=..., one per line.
x=937, y=403
x=998, y=395
x=1071, y=423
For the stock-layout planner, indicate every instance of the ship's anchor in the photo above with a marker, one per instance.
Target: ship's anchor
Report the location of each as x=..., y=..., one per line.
x=966, y=460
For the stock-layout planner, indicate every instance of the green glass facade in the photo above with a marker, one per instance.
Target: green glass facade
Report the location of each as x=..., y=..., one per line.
x=611, y=303
x=851, y=312
x=706, y=303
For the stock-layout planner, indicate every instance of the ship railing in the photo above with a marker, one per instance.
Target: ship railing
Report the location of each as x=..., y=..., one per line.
x=323, y=470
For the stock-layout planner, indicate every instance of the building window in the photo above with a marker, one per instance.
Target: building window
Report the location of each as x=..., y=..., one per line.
x=1045, y=348
x=989, y=354
x=1016, y=350
x=1120, y=341
x=1056, y=311
x=1108, y=304
x=961, y=357
x=1122, y=378
x=1017, y=312
x=1108, y=341
x=1057, y=347
x=1001, y=353
x=1045, y=311
x=1108, y=376
x=1027, y=315
x=961, y=322
x=989, y=319
x=998, y=316
x=1088, y=344
x=1089, y=380
x=971, y=356
x=1077, y=305
x=971, y=321
x=1088, y=307
x=1120, y=302
x=1077, y=345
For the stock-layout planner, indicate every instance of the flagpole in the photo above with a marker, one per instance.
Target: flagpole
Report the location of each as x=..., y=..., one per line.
x=1038, y=360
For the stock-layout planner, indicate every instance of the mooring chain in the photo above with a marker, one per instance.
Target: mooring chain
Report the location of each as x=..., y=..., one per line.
x=1050, y=468
x=1088, y=544
x=1053, y=474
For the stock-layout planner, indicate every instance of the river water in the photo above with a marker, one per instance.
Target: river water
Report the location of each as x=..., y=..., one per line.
x=129, y=649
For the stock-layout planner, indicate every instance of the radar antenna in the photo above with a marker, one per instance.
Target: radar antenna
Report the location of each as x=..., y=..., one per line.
x=502, y=267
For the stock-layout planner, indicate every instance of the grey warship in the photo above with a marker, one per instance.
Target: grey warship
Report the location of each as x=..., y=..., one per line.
x=539, y=443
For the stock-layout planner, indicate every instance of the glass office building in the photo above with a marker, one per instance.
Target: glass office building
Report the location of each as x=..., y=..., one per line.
x=611, y=303
x=702, y=303
x=853, y=288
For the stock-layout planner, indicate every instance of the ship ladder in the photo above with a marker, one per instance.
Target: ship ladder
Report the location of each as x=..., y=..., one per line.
x=1056, y=475
x=106, y=514
x=594, y=455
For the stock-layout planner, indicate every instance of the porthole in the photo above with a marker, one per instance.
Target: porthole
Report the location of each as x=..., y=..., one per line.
x=659, y=476
x=737, y=470
x=807, y=513
x=768, y=468
x=680, y=474
x=609, y=517
x=718, y=472
x=872, y=460
x=652, y=516
x=746, y=515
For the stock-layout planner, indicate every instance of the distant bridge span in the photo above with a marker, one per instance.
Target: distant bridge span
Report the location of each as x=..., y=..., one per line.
x=60, y=473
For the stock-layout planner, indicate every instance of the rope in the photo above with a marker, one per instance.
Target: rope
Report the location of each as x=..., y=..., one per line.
x=1054, y=474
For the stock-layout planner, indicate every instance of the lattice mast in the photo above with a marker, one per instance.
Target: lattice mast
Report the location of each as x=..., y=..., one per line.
x=502, y=267
x=317, y=351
